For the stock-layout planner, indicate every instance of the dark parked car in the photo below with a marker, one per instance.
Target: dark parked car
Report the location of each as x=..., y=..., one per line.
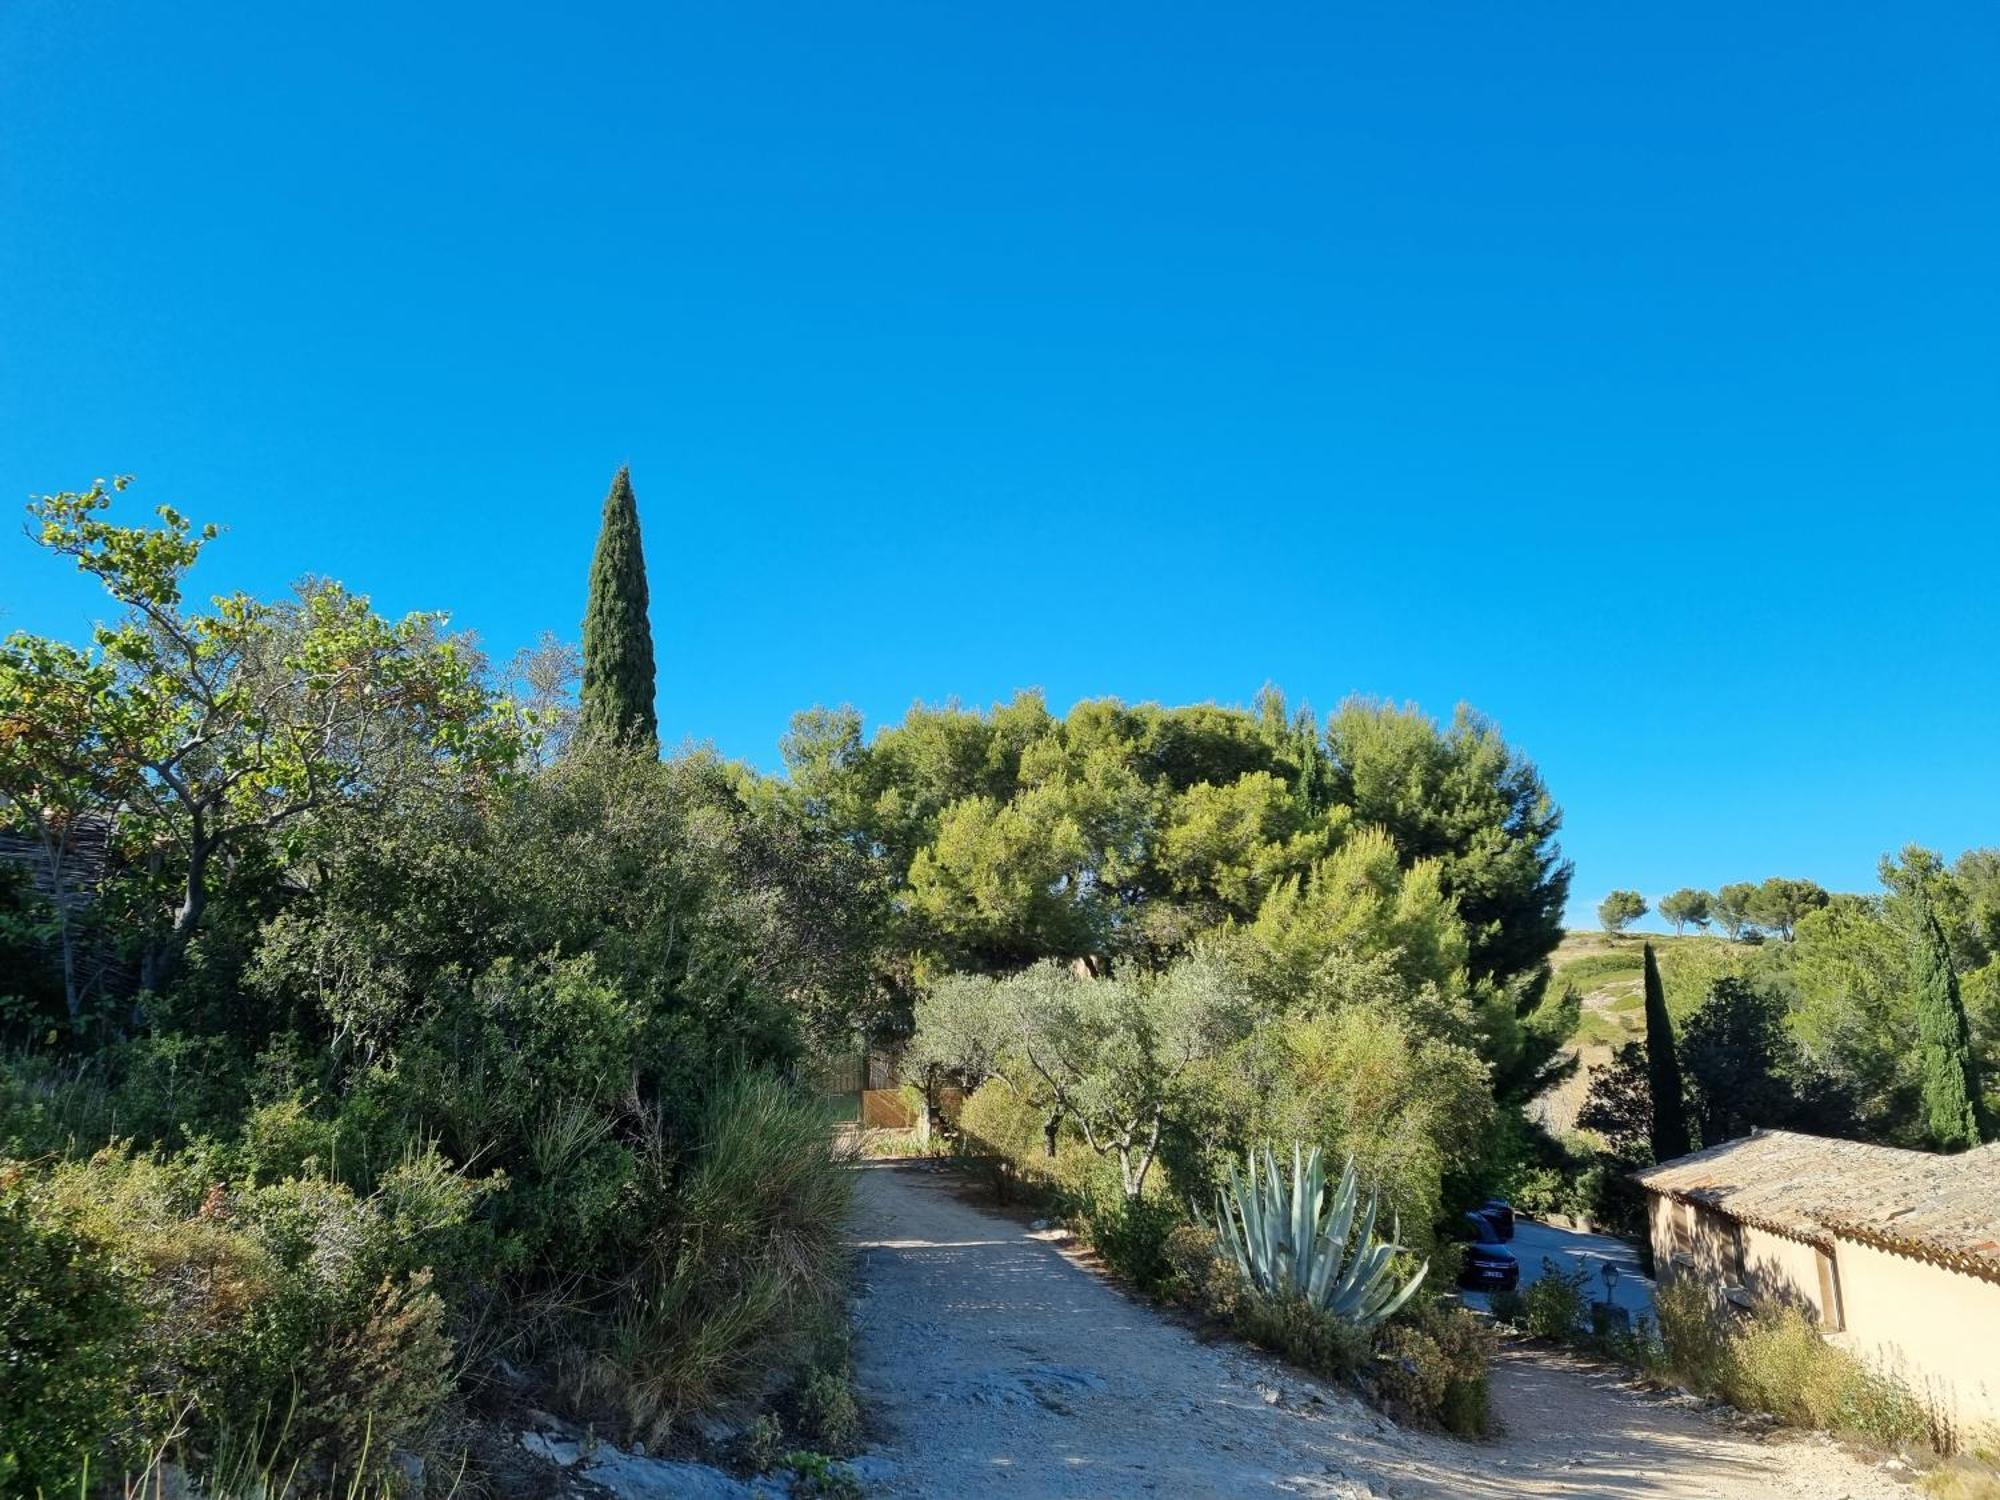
x=1487, y=1266
x=1500, y=1213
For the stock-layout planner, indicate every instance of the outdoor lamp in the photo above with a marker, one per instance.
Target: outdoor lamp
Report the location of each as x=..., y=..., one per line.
x=1610, y=1275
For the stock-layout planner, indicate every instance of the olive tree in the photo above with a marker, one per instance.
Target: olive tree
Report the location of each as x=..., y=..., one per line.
x=1114, y=1054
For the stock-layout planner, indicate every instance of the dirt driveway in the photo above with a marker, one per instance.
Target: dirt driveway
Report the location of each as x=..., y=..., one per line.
x=994, y=1367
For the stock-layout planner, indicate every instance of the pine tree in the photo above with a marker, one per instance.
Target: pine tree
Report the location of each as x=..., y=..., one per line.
x=616, y=698
x=1950, y=1078
x=1663, y=1068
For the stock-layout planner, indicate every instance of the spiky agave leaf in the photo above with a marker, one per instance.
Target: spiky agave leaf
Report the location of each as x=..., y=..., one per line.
x=1286, y=1237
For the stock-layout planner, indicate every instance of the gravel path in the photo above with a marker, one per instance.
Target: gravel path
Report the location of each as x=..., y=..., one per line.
x=993, y=1366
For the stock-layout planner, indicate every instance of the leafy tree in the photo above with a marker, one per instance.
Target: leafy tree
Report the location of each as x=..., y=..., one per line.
x=1738, y=1058
x=1670, y=1127
x=1464, y=797
x=1619, y=1104
x=1950, y=1082
x=1358, y=902
x=1620, y=910
x=544, y=679
x=60, y=777
x=1687, y=905
x=1113, y=1055
x=1731, y=908
x=216, y=731
x=1779, y=903
x=618, y=680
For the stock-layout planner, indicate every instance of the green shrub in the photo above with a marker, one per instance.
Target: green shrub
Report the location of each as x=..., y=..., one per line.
x=1507, y=1307
x=67, y=1320
x=285, y=1322
x=1309, y=1337
x=1781, y=1365
x=830, y=1412
x=1694, y=1335
x=1776, y=1362
x=747, y=1251
x=1555, y=1303
x=1430, y=1369
x=1132, y=1237
x=1200, y=1273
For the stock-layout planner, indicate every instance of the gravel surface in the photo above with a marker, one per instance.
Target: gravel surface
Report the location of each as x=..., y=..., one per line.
x=994, y=1366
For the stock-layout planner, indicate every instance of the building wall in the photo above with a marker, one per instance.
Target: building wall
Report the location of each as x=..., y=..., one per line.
x=1689, y=1240
x=1937, y=1330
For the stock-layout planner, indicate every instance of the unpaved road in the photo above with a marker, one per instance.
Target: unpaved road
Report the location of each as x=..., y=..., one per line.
x=993, y=1366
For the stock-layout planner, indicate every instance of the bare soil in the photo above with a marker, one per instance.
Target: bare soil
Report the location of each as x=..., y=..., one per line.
x=995, y=1365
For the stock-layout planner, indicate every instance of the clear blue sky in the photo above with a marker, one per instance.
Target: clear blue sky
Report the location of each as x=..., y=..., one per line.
x=1631, y=373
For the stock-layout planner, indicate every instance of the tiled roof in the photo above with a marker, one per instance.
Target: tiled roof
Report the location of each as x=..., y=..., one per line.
x=1938, y=1208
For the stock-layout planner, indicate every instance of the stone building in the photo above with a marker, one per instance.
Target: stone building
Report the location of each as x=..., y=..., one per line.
x=1895, y=1254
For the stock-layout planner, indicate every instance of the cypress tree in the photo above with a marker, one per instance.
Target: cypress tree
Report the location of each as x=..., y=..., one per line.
x=1944, y=1038
x=1663, y=1071
x=616, y=698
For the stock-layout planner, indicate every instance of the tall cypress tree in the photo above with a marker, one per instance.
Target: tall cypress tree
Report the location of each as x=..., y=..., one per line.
x=616, y=699
x=1944, y=1039
x=1663, y=1070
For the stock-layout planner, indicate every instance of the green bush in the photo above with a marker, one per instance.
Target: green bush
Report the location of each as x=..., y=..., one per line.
x=1776, y=1362
x=1201, y=1274
x=1694, y=1335
x=286, y=1323
x=1506, y=1306
x=1555, y=1303
x=1430, y=1369
x=1132, y=1237
x=746, y=1251
x=1308, y=1336
x=67, y=1321
x=1781, y=1365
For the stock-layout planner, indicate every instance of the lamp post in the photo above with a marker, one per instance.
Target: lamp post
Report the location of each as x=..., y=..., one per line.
x=1610, y=1275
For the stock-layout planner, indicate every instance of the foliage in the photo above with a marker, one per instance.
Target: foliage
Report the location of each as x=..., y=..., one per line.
x=1687, y=905
x=617, y=684
x=1950, y=1082
x=747, y=1251
x=1120, y=833
x=1619, y=1105
x=1461, y=795
x=1669, y=1136
x=1555, y=1303
x=1290, y=1239
x=1310, y=1337
x=1361, y=1072
x=1430, y=1369
x=1779, y=903
x=1744, y=1070
x=441, y=1037
x=1777, y=1362
x=1620, y=910
x=212, y=732
x=1731, y=907
x=67, y=1319
x=1111, y=1056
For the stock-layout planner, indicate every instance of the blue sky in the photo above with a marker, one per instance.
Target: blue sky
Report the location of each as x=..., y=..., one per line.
x=1631, y=374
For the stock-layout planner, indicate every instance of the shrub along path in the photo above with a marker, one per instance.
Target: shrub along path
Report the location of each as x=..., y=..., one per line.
x=992, y=1365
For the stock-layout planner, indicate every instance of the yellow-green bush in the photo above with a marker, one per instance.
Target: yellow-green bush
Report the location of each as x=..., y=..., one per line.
x=67, y=1321
x=285, y=1322
x=1775, y=1361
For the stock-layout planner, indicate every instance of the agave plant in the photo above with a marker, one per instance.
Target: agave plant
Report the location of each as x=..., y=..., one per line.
x=1289, y=1240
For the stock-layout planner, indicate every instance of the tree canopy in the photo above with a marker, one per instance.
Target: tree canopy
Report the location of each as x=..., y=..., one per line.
x=618, y=678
